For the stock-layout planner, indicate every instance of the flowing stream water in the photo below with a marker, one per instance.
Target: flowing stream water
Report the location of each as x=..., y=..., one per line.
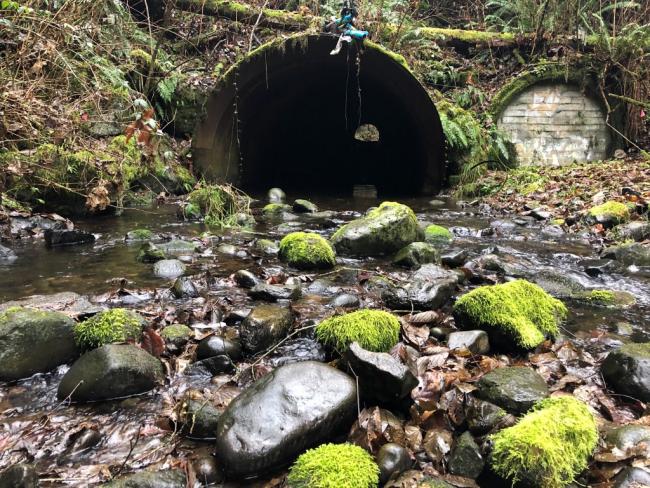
x=52, y=435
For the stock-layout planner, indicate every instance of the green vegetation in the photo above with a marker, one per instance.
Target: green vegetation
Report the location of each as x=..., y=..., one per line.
x=307, y=251
x=549, y=446
x=176, y=333
x=612, y=210
x=221, y=205
x=140, y=234
x=438, y=235
x=334, y=466
x=374, y=330
x=109, y=326
x=519, y=311
x=276, y=208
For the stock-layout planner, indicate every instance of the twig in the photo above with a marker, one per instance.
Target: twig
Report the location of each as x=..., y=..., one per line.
x=132, y=446
x=257, y=22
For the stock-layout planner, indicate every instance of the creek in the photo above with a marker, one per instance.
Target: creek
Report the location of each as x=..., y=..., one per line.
x=73, y=444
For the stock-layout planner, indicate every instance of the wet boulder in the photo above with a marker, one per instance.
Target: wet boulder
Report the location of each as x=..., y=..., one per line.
x=392, y=460
x=291, y=409
x=57, y=238
x=168, y=268
x=304, y=206
x=475, y=341
x=215, y=345
x=381, y=377
x=637, y=254
x=19, y=476
x=184, y=287
x=273, y=293
x=111, y=371
x=515, y=315
x=34, y=341
x=245, y=279
x=173, y=478
x=211, y=366
x=627, y=370
x=627, y=436
x=632, y=477
x=515, y=388
x=429, y=288
x=416, y=254
x=482, y=416
x=383, y=230
x=264, y=326
x=635, y=231
x=466, y=458
x=306, y=251
x=197, y=418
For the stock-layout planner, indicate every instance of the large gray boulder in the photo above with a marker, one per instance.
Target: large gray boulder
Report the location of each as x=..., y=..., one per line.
x=514, y=388
x=383, y=230
x=265, y=325
x=111, y=371
x=34, y=341
x=627, y=370
x=381, y=376
x=293, y=408
x=637, y=254
x=428, y=289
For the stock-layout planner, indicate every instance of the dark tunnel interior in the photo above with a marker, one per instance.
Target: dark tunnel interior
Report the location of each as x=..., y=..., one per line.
x=297, y=115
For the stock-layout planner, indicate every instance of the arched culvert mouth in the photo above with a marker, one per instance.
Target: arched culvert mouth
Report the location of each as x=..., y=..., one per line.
x=287, y=114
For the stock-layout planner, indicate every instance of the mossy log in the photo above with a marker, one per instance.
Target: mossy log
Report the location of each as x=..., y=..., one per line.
x=282, y=19
x=277, y=19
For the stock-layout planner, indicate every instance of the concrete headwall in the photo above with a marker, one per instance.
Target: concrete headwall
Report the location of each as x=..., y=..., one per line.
x=555, y=124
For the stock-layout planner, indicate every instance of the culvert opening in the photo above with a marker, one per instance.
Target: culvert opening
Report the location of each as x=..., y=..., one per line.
x=289, y=116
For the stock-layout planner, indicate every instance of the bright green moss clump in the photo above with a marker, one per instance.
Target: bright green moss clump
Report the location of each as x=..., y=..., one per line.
x=519, y=311
x=276, y=208
x=303, y=250
x=436, y=234
x=374, y=330
x=334, y=466
x=616, y=211
x=549, y=446
x=115, y=325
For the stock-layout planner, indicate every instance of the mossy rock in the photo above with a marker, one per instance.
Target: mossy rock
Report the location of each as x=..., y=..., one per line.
x=34, y=341
x=374, y=330
x=438, y=235
x=139, y=235
x=608, y=298
x=416, y=254
x=383, y=230
x=306, y=251
x=109, y=326
x=150, y=253
x=334, y=465
x=274, y=209
x=518, y=314
x=177, y=334
x=549, y=446
x=609, y=214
